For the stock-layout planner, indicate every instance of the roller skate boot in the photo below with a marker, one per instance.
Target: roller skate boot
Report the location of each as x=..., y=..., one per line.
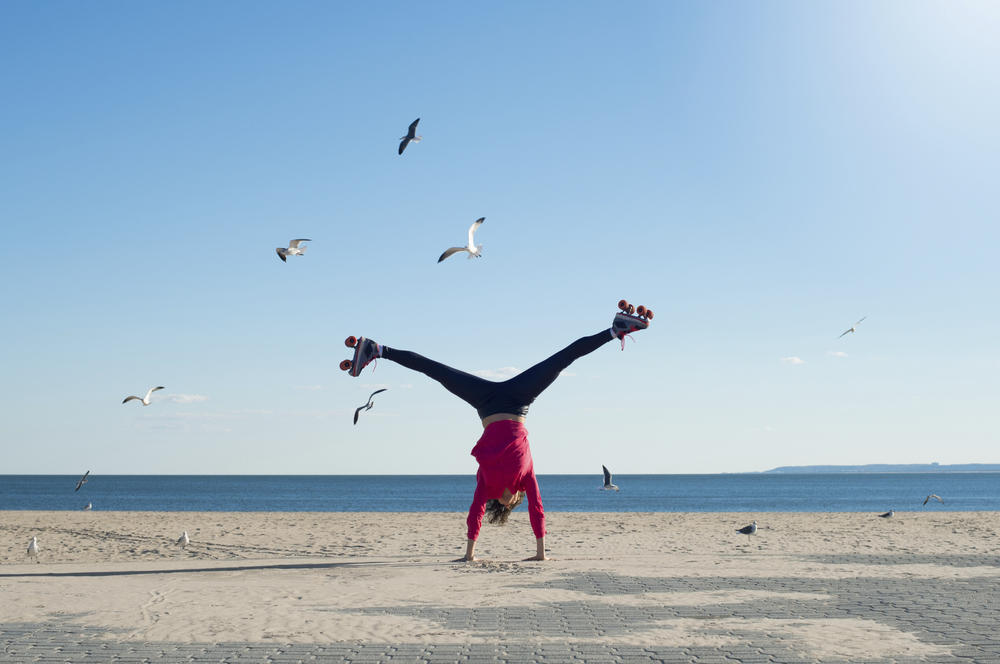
x=365, y=350
x=630, y=319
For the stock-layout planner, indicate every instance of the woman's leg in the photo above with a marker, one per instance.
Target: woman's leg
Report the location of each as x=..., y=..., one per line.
x=530, y=383
x=473, y=390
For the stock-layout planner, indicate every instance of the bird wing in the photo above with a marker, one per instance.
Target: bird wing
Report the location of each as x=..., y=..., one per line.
x=926, y=499
x=403, y=143
x=607, y=475
x=449, y=252
x=472, y=230
x=129, y=398
x=376, y=392
x=279, y=251
x=412, y=131
x=294, y=244
x=358, y=412
x=845, y=332
x=859, y=322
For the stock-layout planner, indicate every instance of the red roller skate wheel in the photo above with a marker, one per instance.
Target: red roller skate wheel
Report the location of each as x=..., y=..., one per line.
x=345, y=365
x=351, y=342
x=631, y=310
x=640, y=310
x=649, y=314
x=623, y=305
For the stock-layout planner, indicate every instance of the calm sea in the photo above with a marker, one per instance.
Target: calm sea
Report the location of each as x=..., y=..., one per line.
x=820, y=492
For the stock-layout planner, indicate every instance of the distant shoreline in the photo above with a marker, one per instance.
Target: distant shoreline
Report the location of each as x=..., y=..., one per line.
x=894, y=468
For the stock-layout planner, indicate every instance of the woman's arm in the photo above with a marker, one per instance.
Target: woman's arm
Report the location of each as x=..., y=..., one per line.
x=540, y=550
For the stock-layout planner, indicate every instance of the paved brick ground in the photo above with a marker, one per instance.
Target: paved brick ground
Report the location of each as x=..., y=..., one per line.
x=962, y=615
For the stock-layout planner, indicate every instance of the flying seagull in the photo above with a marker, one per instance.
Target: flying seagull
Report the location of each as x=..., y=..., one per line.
x=184, y=540
x=33, y=549
x=853, y=328
x=293, y=249
x=887, y=515
x=411, y=135
x=608, y=486
x=473, y=248
x=748, y=530
x=144, y=400
x=367, y=406
x=935, y=497
x=83, y=480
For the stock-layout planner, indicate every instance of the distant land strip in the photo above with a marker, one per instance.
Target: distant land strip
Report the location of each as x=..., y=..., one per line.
x=894, y=468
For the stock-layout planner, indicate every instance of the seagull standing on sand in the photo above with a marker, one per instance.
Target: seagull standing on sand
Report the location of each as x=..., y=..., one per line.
x=853, y=328
x=83, y=480
x=748, y=530
x=473, y=248
x=367, y=406
x=293, y=249
x=411, y=136
x=887, y=515
x=88, y=507
x=184, y=540
x=935, y=497
x=144, y=400
x=608, y=486
x=33, y=549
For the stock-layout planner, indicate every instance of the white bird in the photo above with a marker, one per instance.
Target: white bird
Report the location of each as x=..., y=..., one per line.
x=184, y=540
x=935, y=497
x=83, y=480
x=887, y=515
x=33, y=548
x=748, y=530
x=853, y=328
x=293, y=249
x=608, y=486
x=145, y=399
x=473, y=248
x=88, y=507
x=367, y=406
x=411, y=136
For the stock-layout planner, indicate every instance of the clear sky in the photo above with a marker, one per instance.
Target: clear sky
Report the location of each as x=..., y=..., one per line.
x=762, y=174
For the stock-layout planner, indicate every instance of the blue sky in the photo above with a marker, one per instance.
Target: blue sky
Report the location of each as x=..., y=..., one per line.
x=761, y=174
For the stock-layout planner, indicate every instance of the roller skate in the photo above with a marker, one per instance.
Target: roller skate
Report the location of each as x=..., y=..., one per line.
x=365, y=350
x=630, y=319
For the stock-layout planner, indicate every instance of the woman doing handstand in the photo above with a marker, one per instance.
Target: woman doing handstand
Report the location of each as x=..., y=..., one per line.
x=506, y=472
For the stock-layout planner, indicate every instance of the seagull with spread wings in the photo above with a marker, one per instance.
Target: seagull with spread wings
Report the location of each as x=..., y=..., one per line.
x=367, y=406
x=935, y=497
x=83, y=480
x=411, y=136
x=145, y=399
x=853, y=328
x=608, y=486
x=294, y=249
x=473, y=248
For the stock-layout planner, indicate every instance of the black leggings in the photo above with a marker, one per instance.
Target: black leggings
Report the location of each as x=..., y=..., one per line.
x=510, y=396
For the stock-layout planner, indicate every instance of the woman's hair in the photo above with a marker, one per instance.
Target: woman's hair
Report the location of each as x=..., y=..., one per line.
x=497, y=512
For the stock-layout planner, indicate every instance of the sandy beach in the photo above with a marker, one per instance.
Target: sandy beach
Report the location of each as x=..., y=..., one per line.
x=841, y=586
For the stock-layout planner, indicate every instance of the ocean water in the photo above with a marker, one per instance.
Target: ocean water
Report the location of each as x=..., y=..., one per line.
x=815, y=492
